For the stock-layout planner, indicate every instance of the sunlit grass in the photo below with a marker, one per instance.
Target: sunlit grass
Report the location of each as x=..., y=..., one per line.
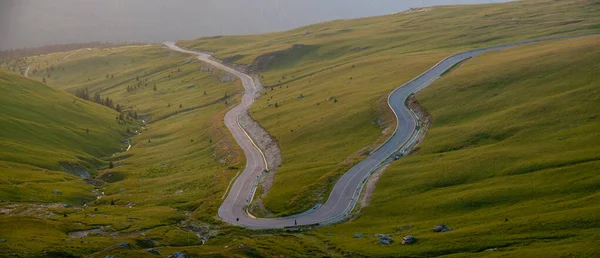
x=357, y=63
x=514, y=138
x=510, y=161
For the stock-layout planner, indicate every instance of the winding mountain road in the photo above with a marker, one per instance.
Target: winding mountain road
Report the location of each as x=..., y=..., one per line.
x=346, y=191
x=69, y=54
x=26, y=73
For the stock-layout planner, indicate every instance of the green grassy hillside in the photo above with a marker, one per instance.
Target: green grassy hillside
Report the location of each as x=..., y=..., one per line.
x=337, y=82
x=450, y=27
x=42, y=127
x=161, y=82
x=170, y=181
x=510, y=161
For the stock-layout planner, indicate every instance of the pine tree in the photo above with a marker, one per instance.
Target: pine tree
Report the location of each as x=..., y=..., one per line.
x=154, y=87
x=97, y=98
x=44, y=79
x=111, y=165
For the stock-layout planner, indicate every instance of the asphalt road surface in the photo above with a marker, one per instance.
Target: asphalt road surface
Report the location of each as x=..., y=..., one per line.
x=345, y=192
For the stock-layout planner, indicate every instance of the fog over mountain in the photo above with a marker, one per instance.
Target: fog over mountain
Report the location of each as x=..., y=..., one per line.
x=30, y=23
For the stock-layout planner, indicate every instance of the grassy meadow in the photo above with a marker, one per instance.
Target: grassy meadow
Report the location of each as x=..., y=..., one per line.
x=510, y=161
x=161, y=82
x=42, y=127
x=338, y=82
x=161, y=191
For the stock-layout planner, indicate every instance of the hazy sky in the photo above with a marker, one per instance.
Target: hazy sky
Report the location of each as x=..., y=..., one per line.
x=28, y=23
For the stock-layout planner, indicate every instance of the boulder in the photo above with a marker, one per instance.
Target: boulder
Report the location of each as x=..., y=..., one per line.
x=2, y=240
x=182, y=254
x=408, y=240
x=386, y=240
x=56, y=191
x=152, y=251
x=441, y=228
x=358, y=236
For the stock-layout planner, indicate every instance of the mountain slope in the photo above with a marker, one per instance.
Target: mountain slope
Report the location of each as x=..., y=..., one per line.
x=493, y=167
x=44, y=126
x=175, y=172
x=510, y=161
x=133, y=75
x=327, y=83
